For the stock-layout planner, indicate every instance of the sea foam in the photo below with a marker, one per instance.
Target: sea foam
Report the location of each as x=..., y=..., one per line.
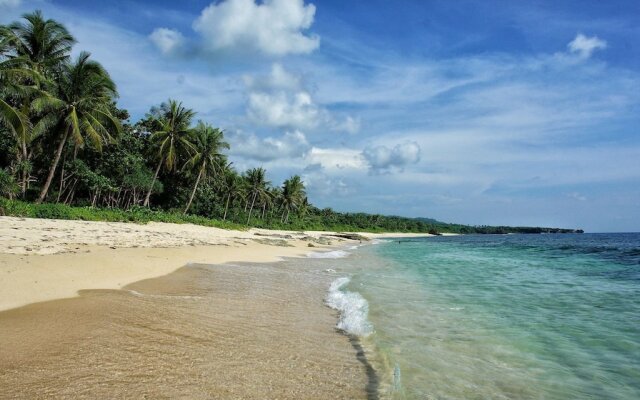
x=353, y=309
x=329, y=254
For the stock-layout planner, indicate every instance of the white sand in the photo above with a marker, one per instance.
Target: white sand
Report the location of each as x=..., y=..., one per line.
x=44, y=259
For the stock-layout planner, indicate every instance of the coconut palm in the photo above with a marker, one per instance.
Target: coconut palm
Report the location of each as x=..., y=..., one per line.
x=45, y=43
x=207, y=157
x=232, y=189
x=257, y=186
x=292, y=195
x=13, y=89
x=171, y=139
x=79, y=109
x=18, y=85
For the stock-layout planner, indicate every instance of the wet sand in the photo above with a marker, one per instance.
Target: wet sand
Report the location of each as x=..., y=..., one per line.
x=249, y=331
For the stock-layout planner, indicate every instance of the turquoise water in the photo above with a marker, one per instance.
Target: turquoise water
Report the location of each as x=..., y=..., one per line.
x=477, y=317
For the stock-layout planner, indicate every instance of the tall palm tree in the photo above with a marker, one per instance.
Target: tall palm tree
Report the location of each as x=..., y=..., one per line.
x=46, y=43
x=13, y=90
x=257, y=186
x=207, y=157
x=14, y=94
x=78, y=108
x=232, y=189
x=292, y=195
x=171, y=139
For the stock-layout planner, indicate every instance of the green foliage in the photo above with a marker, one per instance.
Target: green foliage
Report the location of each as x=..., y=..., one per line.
x=17, y=208
x=8, y=186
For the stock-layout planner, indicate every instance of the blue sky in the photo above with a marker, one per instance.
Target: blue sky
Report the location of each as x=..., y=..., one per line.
x=479, y=112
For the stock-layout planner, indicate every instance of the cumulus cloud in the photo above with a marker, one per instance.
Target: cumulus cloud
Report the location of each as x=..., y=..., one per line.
x=290, y=145
x=282, y=99
x=271, y=27
x=584, y=46
x=336, y=159
x=384, y=159
x=319, y=184
x=167, y=40
x=285, y=110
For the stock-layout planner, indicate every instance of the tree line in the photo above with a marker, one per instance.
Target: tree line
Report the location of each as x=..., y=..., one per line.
x=64, y=141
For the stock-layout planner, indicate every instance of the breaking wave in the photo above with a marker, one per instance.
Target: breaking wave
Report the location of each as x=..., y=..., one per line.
x=353, y=308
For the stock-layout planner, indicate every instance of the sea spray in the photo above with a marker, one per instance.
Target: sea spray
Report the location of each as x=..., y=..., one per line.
x=353, y=309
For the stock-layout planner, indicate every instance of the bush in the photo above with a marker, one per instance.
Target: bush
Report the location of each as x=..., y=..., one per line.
x=16, y=208
x=8, y=186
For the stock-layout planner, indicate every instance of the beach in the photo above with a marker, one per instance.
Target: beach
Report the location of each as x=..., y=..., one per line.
x=118, y=309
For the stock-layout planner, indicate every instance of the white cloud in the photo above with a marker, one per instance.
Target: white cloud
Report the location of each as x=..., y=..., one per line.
x=167, y=40
x=290, y=145
x=336, y=159
x=584, y=46
x=319, y=184
x=282, y=99
x=278, y=78
x=272, y=27
x=285, y=110
x=383, y=158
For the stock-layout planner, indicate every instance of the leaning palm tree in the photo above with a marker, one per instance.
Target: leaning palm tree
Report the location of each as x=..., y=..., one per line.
x=257, y=186
x=207, y=157
x=46, y=43
x=79, y=109
x=171, y=139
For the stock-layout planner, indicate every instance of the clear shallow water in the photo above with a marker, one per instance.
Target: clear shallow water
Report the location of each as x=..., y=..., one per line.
x=516, y=316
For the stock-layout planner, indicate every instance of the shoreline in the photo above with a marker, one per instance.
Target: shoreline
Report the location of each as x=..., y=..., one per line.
x=43, y=260
x=67, y=281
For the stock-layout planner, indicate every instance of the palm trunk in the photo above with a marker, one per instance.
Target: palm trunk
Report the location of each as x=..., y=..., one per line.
x=54, y=165
x=25, y=173
x=251, y=210
x=226, y=207
x=286, y=220
x=153, y=183
x=60, y=189
x=193, y=192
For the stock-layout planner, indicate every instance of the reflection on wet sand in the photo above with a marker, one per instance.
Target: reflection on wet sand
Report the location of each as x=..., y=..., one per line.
x=227, y=331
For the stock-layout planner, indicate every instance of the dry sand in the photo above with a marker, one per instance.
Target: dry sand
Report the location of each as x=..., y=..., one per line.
x=44, y=259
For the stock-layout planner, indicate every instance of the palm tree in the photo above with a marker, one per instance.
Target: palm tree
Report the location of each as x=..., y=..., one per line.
x=79, y=108
x=257, y=186
x=292, y=194
x=233, y=188
x=46, y=43
x=303, y=208
x=19, y=83
x=13, y=89
x=171, y=139
x=207, y=158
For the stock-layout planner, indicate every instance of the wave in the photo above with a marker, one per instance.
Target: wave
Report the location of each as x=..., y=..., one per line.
x=138, y=294
x=329, y=254
x=353, y=308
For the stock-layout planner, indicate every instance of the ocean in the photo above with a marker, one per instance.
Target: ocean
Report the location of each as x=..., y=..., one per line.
x=494, y=316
